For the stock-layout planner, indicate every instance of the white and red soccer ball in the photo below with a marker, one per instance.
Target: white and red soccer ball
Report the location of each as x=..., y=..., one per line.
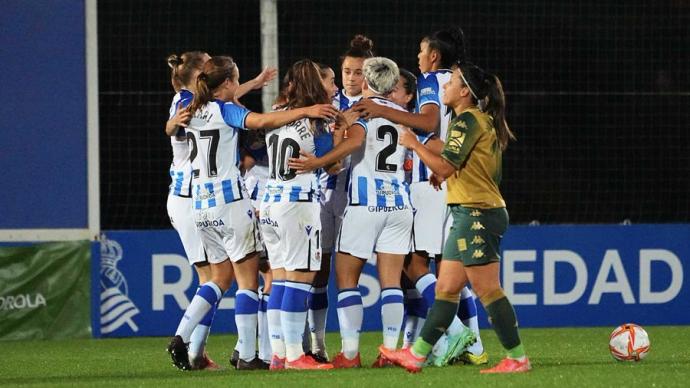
x=629, y=342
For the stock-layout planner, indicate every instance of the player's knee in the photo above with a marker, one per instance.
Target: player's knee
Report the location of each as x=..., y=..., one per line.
x=448, y=288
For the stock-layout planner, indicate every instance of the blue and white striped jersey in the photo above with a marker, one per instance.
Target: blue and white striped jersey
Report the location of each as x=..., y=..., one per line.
x=340, y=182
x=284, y=184
x=213, y=133
x=430, y=91
x=377, y=173
x=180, y=168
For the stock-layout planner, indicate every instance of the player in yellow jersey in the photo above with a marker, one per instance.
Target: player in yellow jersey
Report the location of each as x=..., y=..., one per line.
x=470, y=161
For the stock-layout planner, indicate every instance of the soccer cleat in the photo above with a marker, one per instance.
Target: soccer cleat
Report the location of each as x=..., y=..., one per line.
x=510, y=365
x=179, y=353
x=320, y=357
x=456, y=345
x=235, y=358
x=403, y=358
x=382, y=362
x=468, y=358
x=255, y=364
x=342, y=362
x=305, y=363
x=277, y=363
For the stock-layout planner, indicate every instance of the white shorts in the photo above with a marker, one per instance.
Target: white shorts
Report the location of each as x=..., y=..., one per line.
x=367, y=229
x=292, y=234
x=333, y=204
x=228, y=231
x=181, y=213
x=431, y=224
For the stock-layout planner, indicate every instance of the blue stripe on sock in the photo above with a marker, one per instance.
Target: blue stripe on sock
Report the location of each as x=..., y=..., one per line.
x=276, y=297
x=318, y=300
x=416, y=307
x=391, y=295
x=246, y=302
x=294, y=300
x=208, y=293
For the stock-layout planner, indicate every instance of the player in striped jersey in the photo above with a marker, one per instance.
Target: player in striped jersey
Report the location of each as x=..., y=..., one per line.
x=334, y=190
x=437, y=53
x=377, y=219
x=222, y=209
x=290, y=221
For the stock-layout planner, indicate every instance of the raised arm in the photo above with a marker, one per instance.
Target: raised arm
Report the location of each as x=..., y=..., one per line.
x=280, y=118
x=266, y=76
x=308, y=162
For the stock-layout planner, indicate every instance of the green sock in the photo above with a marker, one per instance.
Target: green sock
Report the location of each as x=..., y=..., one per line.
x=505, y=325
x=437, y=321
x=421, y=348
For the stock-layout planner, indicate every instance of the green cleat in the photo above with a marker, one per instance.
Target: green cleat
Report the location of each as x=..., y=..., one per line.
x=468, y=358
x=456, y=345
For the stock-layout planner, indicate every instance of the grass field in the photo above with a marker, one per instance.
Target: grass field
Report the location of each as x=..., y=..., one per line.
x=574, y=357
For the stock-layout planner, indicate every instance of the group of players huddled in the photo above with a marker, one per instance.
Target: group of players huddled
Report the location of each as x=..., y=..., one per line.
x=393, y=169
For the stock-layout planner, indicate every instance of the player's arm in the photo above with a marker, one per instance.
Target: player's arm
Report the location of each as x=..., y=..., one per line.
x=179, y=120
x=427, y=119
x=266, y=76
x=308, y=162
x=239, y=117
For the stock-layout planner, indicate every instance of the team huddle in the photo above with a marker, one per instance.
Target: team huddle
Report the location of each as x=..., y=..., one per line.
x=392, y=169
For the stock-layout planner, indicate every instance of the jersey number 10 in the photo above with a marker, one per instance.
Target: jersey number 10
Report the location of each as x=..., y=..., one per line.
x=288, y=148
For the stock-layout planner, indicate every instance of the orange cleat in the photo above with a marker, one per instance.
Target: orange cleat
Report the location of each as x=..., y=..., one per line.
x=277, y=363
x=510, y=365
x=207, y=364
x=382, y=362
x=306, y=363
x=403, y=358
x=342, y=362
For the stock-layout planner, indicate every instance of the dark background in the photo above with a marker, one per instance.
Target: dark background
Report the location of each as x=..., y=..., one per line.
x=598, y=92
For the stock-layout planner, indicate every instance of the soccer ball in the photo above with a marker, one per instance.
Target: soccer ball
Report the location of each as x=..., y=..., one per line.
x=629, y=342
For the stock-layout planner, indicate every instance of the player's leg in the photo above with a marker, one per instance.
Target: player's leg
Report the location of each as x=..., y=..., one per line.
x=300, y=230
x=415, y=311
x=263, y=338
x=353, y=249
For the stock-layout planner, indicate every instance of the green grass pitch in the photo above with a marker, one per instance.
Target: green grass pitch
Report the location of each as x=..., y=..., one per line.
x=572, y=357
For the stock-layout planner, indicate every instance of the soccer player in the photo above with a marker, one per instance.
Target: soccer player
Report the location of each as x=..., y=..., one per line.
x=222, y=210
x=415, y=308
x=290, y=221
x=437, y=53
x=334, y=188
x=184, y=69
x=471, y=162
x=378, y=217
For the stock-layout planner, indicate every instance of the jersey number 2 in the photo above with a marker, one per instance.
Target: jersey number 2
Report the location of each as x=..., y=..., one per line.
x=389, y=150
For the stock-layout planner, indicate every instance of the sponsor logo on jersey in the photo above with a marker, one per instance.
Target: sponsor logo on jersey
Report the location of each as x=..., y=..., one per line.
x=477, y=240
x=478, y=254
x=426, y=91
x=22, y=301
x=116, y=307
x=386, y=209
x=475, y=213
x=476, y=225
x=207, y=223
x=268, y=221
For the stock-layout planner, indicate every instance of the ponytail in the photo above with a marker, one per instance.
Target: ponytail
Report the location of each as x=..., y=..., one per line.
x=495, y=101
x=183, y=67
x=214, y=73
x=487, y=91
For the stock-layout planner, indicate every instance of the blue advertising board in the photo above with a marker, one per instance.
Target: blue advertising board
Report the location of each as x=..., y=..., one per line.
x=554, y=275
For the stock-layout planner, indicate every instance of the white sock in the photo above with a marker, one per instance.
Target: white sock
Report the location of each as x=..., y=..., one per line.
x=392, y=311
x=246, y=309
x=197, y=341
x=264, y=338
x=293, y=317
x=467, y=297
x=456, y=327
x=409, y=330
x=275, y=329
x=318, y=312
x=350, y=316
x=208, y=295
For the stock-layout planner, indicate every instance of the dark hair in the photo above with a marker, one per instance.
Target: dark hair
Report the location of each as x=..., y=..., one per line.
x=305, y=87
x=360, y=47
x=487, y=91
x=450, y=44
x=410, y=83
x=214, y=73
x=282, y=98
x=182, y=67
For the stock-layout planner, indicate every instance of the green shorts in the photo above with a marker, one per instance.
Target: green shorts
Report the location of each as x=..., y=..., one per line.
x=475, y=235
